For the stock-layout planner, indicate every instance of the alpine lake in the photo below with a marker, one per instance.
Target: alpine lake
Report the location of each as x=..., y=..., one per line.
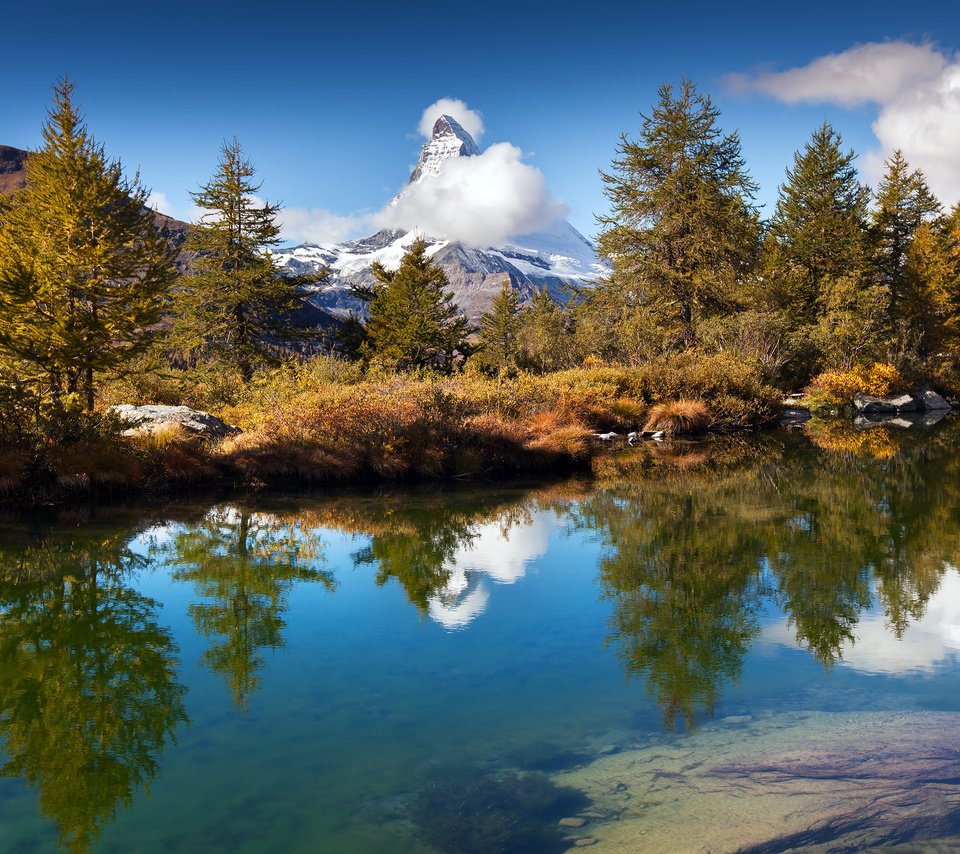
x=744, y=644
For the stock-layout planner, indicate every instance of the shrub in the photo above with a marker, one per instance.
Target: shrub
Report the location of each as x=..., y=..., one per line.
x=681, y=417
x=837, y=387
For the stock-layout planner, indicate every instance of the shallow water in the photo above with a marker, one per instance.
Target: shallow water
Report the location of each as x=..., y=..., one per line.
x=750, y=645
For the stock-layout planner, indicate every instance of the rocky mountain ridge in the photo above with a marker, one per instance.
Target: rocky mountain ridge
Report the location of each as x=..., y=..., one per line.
x=549, y=259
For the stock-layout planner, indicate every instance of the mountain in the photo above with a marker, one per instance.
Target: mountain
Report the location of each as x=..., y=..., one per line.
x=13, y=173
x=546, y=259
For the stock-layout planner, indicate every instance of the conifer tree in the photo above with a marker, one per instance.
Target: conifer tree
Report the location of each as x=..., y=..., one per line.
x=928, y=300
x=499, y=344
x=903, y=202
x=413, y=321
x=682, y=227
x=236, y=305
x=83, y=267
x=819, y=226
x=544, y=338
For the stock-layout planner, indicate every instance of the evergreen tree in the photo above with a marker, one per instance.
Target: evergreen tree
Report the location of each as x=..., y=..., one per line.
x=544, y=338
x=928, y=304
x=682, y=228
x=236, y=305
x=83, y=267
x=413, y=321
x=903, y=202
x=499, y=346
x=818, y=229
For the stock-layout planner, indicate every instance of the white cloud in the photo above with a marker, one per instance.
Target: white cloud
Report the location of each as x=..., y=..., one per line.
x=160, y=202
x=926, y=643
x=481, y=200
x=316, y=225
x=862, y=74
x=916, y=88
x=470, y=120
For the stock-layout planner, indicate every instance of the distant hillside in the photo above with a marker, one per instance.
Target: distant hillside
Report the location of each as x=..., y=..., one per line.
x=13, y=176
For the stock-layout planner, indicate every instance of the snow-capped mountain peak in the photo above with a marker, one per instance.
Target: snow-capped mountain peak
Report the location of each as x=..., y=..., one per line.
x=448, y=139
x=549, y=259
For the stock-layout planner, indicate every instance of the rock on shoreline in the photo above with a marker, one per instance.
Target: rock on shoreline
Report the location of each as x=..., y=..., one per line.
x=150, y=419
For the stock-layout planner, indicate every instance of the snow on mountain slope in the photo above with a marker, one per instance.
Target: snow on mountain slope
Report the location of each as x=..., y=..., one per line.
x=547, y=259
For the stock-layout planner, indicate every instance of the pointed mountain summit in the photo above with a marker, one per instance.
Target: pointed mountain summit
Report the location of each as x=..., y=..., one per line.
x=547, y=259
x=448, y=139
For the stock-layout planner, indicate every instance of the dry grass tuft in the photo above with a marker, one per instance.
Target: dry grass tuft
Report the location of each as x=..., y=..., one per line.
x=679, y=418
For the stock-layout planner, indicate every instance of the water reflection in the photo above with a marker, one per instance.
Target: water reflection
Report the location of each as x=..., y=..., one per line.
x=695, y=552
x=442, y=554
x=244, y=565
x=89, y=694
x=839, y=545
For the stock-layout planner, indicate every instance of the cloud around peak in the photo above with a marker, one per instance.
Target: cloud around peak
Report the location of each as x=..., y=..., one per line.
x=915, y=87
x=470, y=120
x=482, y=200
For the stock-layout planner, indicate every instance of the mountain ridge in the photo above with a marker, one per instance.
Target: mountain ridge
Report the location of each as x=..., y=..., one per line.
x=549, y=259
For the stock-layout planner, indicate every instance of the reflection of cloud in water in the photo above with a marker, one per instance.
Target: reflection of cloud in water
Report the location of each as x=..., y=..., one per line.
x=494, y=552
x=925, y=643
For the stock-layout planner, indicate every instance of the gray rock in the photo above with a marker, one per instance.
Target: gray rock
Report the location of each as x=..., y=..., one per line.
x=794, y=415
x=573, y=822
x=930, y=401
x=584, y=842
x=149, y=419
x=890, y=405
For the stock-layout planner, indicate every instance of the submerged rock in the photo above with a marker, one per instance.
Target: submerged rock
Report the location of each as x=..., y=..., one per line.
x=511, y=814
x=150, y=419
x=815, y=780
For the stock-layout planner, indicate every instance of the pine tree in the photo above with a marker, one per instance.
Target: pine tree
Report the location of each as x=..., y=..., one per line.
x=928, y=300
x=499, y=344
x=413, y=321
x=903, y=202
x=236, y=305
x=544, y=337
x=682, y=228
x=83, y=267
x=819, y=226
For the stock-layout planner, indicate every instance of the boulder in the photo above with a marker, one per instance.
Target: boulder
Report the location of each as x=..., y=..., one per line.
x=149, y=419
x=867, y=405
x=791, y=415
x=929, y=401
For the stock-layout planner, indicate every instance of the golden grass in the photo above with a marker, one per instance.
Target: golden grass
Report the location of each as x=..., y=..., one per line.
x=679, y=418
x=325, y=420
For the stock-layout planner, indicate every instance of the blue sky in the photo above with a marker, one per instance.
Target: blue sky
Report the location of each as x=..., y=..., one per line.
x=326, y=100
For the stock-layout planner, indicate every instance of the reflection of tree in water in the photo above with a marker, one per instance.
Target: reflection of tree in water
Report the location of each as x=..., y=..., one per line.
x=686, y=590
x=245, y=564
x=416, y=544
x=88, y=685
x=693, y=552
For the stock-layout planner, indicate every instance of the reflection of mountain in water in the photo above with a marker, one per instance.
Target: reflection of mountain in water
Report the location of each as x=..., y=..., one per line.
x=493, y=552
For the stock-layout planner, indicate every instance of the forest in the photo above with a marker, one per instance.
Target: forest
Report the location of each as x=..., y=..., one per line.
x=709, y=315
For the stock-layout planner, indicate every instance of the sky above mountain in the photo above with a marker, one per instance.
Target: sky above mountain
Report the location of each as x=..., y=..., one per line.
x=330, y=101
